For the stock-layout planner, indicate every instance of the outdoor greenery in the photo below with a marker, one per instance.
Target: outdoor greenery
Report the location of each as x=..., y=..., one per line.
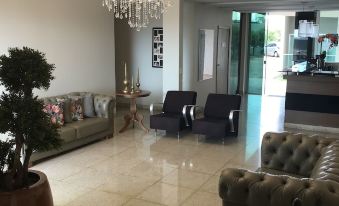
x=257, y=40
x=22, y=116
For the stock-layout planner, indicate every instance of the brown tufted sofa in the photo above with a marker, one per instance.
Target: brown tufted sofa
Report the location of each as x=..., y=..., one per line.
x=296, y=170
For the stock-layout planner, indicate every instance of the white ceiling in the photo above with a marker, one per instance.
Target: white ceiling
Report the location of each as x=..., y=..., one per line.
x=274, y=5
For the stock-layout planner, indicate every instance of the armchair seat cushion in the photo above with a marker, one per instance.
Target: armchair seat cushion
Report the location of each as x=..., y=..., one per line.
x=89, y=126
x=213, y=127
x=172, y=119
x=167, y=121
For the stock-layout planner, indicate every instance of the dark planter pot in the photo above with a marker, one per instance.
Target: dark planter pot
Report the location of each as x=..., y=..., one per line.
x=38, y=194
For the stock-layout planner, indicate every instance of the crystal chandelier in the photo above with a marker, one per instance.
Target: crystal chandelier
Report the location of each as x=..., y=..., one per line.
x=138, y=12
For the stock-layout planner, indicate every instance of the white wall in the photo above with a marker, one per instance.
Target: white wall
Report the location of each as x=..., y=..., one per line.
x=200, y=16
x=135, y=48
x=76, y=35
x=172, y=23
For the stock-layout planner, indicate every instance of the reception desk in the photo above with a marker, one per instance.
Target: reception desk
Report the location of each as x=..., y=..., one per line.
x=312, y=100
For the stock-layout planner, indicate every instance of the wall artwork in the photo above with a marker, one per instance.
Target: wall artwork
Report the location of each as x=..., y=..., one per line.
x=158, y=44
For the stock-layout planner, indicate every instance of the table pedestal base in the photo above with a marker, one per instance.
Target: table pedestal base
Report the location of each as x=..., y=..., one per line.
x=133, y=118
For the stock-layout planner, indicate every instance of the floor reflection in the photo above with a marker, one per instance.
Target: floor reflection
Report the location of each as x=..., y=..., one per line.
x=138, y=168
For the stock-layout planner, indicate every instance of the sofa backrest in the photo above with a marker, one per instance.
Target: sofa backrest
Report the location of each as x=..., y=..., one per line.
x=327, y=167
x=175, y=101
x=292, y=153
x=103, y=105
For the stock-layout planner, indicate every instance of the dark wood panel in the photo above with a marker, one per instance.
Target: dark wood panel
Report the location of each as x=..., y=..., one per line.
x=312, y=118
x=313, y=85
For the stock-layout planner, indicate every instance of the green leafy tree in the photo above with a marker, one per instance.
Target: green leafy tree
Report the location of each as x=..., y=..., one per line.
x=273, y=36
x=22, y=115
x=257, y=39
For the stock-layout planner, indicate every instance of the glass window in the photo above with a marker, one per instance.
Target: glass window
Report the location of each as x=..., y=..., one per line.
x=235, y=44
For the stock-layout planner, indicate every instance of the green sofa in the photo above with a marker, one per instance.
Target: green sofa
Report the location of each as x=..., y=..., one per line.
x=78, y=133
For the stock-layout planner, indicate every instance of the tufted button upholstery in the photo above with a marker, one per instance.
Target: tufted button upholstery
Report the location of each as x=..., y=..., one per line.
x=292, y=153
x=254, y=190
x=327, y=168
x=306, y=172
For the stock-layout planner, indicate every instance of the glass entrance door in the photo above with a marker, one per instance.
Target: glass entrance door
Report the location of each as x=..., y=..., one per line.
x=256, y=45
x=278, y=51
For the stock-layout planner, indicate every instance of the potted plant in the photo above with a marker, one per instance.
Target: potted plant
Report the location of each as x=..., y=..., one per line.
x=28, y=127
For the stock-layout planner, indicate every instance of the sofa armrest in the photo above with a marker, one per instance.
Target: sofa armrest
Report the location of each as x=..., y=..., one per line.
x=104, y=106
x=242, y=187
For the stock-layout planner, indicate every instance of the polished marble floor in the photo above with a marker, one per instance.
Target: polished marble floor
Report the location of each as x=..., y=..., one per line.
x=137, y=169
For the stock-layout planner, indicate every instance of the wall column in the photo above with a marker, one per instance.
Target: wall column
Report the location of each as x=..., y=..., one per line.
x=172, y=24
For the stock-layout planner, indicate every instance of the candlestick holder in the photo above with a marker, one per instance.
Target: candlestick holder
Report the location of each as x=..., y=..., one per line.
x=138, y=83
x=125, y=82
x=138, y=90
x=132, y=89
x=125, y=91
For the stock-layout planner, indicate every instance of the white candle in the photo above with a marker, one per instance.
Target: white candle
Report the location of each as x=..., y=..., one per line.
x=138, y=77
x=125, y=71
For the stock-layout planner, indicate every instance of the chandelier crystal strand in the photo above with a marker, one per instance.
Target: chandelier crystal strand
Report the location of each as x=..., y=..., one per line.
x=137, y=12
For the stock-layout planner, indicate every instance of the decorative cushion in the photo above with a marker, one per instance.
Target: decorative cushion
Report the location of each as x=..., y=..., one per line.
x=77, y=108
x=67, y=109
x=103, y=106
x=88, y=102
x=56, y=112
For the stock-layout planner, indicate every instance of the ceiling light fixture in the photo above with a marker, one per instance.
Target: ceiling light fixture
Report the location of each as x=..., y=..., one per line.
x=138, y=12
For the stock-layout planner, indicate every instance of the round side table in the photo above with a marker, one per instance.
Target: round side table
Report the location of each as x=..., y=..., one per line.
x=133, y=116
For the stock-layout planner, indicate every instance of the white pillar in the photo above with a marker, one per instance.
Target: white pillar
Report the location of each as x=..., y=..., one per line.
x=172, y=71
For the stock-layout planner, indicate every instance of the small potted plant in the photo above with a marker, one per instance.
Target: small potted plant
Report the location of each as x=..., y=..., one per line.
x=28, y=127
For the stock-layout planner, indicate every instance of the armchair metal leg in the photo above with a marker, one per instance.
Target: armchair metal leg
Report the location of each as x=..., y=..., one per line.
x=178, y=136
x=223, y=140
x=155, y=132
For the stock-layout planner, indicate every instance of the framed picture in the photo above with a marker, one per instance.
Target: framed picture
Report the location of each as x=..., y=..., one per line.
x=157, y=47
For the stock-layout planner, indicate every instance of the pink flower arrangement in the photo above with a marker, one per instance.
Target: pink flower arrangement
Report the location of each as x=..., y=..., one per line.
x=332, y=37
